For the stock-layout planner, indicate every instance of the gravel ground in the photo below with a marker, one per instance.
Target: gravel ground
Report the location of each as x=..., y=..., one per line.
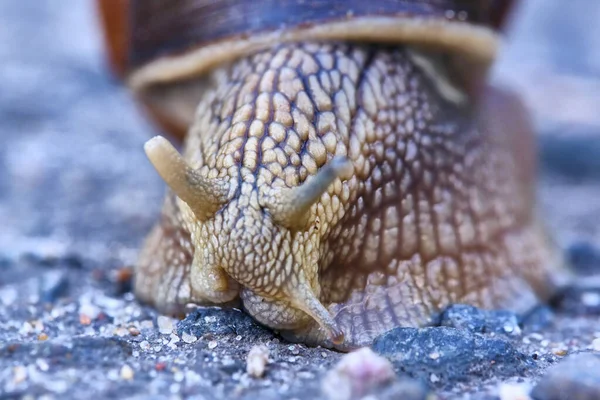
x=77, y=196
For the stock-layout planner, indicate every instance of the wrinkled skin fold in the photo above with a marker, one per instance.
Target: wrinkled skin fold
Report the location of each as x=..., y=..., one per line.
x=437, y=205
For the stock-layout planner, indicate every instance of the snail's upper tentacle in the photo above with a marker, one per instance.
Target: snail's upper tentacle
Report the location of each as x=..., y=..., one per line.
x=203, y=196
x=290, y=206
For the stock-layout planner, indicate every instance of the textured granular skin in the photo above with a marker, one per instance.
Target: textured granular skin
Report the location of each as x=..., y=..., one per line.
x=438, y=209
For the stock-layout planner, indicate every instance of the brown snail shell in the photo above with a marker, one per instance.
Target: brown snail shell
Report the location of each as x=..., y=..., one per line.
x=346, y=169
x=152, y=42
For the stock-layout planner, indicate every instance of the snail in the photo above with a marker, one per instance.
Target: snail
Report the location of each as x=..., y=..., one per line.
x=346, y=169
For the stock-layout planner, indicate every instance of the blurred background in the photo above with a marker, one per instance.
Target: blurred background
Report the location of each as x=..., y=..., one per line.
x=75, y=185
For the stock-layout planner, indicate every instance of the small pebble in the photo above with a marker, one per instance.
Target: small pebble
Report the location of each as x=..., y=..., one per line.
x=42, y=337
x=576, y=377
x=147, y=324
x=53, y=286
x=165, y=325
x=356, y=374
x=560, y=352
x=38, y=325
x=84, y=319
x=212, y=344
x=513, y=391
x=42, y=364
x=186, y=337
x=121, y=331
x=126, y=372
x=256, y=363
x=19, y=374
x=536, y=336
x=144, y=345
x=590, y=299
x=89, y=310
x=26, y=328
x=123, y=279
x=178, y=376
x=133, y=331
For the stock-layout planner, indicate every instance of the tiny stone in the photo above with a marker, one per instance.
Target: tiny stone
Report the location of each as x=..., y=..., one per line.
x=19, y=374
x=560, y=351
x=511, y=391
x=575, y=377
x=356, y=374
x=257, y=360
x=590, y=299
x=212, y=344
x=473, y=319
x=536, y=336
x=53, y=286
x=133, y=331
x=186, y=337
x=144, y=345
x=434, y=378
x=42, y=365
x=126, y=372
x=178, y=376
x=160, y=366
x=38, y=325
x=121, y=331
x=26, y=329
x=174, y=388
x=165, y=325
x=42, y=337
x=147, y=324
x=89, y=310
x=84, y=319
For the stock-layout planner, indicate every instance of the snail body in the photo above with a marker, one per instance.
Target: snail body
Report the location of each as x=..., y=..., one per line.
x=343, y=173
